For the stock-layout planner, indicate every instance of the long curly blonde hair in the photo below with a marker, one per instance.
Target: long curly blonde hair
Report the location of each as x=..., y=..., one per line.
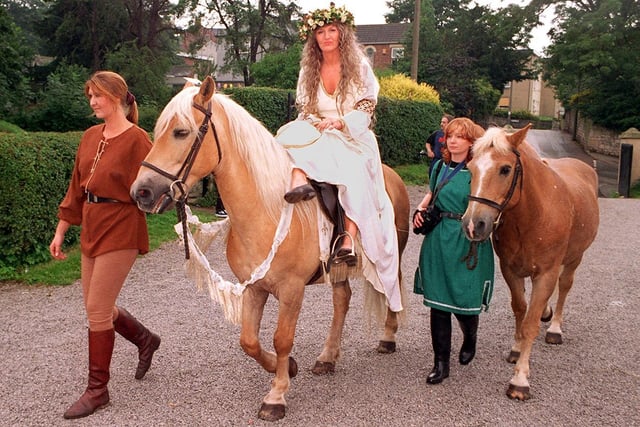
x=351, y=56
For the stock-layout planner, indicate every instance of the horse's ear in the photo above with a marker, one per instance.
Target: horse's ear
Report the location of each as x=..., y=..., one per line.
x=517, y=137
x=207, y=89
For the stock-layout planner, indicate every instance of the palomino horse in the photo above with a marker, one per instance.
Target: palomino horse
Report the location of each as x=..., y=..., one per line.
x=543, y=215
x=252, y=173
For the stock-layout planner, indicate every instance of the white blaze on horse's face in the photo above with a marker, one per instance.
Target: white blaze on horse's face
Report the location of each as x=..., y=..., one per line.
x=481, y=167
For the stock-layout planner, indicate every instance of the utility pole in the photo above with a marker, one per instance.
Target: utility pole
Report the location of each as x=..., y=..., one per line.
x=416, y=42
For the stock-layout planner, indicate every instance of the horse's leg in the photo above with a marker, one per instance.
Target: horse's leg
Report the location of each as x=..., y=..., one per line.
x=541, y=291
x=253, y=301
x=326, y=362
x=565, y=282
x=387, y=343
x=290, y=302
x=519, y=308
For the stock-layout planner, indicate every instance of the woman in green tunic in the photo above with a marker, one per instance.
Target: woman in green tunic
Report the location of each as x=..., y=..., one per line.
x=443, y=277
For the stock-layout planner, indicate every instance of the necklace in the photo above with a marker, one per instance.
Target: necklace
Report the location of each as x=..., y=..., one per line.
x=99, y=151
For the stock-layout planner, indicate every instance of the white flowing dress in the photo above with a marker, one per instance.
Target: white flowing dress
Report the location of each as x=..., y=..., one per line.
x=350, y=159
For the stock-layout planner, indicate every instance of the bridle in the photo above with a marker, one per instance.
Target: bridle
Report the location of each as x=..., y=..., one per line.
x=500, y=207
x=178, y=180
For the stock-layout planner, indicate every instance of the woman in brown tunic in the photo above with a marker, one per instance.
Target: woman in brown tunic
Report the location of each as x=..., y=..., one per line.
x=113, y=233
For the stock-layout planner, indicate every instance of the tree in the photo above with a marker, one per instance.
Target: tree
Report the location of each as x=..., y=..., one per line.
x=278, y=70
x=594, y=63
x=14, y=65
x=250, y=30
x=143, y=71
x=62, y=105
x=464, y=47
x=26, y=14
x=84, y=32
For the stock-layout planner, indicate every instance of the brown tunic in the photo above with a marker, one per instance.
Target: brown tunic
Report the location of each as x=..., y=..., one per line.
x=107, y=226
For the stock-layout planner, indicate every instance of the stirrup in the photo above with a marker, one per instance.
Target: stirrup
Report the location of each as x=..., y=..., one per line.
x=344, y=254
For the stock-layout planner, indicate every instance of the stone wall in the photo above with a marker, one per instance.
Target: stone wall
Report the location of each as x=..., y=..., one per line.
x=592, y=137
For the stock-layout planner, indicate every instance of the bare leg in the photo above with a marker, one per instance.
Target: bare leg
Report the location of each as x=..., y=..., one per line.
x=346, y=252
x=351, y=228
x=298, y=178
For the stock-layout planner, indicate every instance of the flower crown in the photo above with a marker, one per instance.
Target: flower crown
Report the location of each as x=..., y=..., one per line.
x=321, y=17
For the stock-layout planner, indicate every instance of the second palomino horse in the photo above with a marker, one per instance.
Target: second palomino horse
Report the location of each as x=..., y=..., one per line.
x=543, y=214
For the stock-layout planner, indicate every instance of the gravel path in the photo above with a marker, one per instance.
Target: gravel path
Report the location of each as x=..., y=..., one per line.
x=200, y=376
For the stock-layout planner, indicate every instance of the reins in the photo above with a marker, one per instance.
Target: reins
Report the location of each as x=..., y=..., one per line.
x=178, y=180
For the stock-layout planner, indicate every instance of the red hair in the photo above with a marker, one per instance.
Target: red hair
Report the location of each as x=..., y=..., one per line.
x=465, y=127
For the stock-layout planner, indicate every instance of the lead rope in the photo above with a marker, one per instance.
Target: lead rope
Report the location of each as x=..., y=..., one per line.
x=182, y=217
x=471, y=259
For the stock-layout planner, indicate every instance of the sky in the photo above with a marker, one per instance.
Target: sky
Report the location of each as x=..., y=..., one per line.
x=373, y=11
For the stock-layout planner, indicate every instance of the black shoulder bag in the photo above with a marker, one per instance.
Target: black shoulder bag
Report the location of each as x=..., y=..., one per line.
x=432, y=215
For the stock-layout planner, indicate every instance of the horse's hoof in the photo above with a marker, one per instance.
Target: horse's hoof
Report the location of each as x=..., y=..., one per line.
x=549, y=317
x=271, y=412
x=518, y=392
x=513, y=356
x=386, y=347
x=323, y=368
x=553, y=338
x=293, y=367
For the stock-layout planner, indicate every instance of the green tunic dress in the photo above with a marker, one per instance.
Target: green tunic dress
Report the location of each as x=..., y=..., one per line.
x=442, y=276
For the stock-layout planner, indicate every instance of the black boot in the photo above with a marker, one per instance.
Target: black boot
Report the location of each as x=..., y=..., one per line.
x=135, y=332
x=469, y=327
x=96, y=395
x=441, y=341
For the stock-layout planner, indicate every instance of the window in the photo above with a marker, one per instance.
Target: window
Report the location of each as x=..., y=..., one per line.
x=370, y=51
x=397, y=52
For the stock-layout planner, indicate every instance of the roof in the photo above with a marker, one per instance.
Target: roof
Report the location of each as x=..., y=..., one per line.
x=382, y=33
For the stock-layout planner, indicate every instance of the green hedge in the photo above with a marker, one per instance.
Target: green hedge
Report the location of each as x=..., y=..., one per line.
x=35, y=169
x=402, y=127
x=265, y=104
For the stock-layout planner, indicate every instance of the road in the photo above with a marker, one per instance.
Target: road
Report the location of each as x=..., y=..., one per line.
x=201, y=377
x=553, y=144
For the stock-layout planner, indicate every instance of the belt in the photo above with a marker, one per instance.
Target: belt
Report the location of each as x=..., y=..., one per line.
x=92, y=198
x=451, y=215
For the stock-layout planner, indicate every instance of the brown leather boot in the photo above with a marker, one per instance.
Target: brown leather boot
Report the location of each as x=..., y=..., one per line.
x=146, y=341
x=96, y=395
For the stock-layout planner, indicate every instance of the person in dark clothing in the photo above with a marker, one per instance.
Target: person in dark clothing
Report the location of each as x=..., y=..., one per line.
x=435, y=141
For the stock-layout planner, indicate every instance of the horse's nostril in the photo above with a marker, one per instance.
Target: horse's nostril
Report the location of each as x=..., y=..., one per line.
x=143, y=194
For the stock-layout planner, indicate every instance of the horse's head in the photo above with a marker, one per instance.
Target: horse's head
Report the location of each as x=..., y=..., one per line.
x=186, y=149
x=496, y=170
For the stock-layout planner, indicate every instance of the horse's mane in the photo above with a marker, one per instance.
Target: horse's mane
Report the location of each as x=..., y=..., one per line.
x=267, y=161
x=495, y=138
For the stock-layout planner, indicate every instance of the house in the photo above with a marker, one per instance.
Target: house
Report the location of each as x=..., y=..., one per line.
x=533, y=96
x=383, y=43
x=211, y=53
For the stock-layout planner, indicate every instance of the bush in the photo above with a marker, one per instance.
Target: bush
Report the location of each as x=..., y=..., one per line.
x=7, y=127
x=270, y=106
x=62, y=105
x=35, y=169
x=403, y=127
x=399, y=86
